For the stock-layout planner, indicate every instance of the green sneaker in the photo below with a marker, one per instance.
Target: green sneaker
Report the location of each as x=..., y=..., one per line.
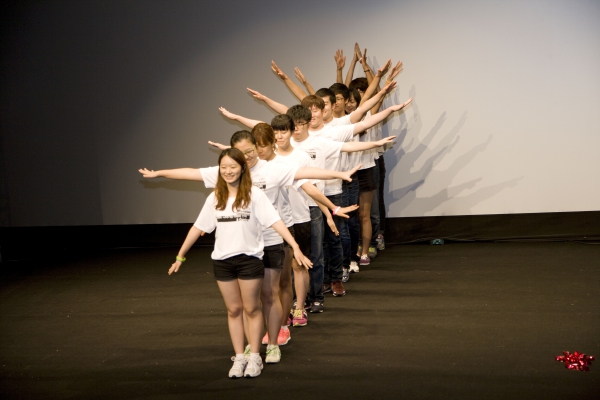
x=372, y=252
x=273, y=354
x=247, y=353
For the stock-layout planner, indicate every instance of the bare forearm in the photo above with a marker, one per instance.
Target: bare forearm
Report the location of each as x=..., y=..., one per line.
x=350, y=73
x=295, y=89
x=284, y=232
x=351, y=147
x=317, y=173
x=275, y=106
x=189, y=174
x=189, y=241
x=371, y=121
x=318, y=196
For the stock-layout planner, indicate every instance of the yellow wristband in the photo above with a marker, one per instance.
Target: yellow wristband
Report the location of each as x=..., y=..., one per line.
x=180, y=258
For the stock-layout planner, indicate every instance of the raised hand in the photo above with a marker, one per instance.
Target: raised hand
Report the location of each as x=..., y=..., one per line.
x=357, y=52
x=278, y=71
x=227, y=113
x=219, y=145
x=148, y=173
x=363, y=59
x=389, y=87
x=300, y=76
x=395, y=71
x=386, y=67
x=256, y=94
x=340, y=59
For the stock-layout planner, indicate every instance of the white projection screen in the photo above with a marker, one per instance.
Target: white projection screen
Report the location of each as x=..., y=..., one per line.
x=504, y=118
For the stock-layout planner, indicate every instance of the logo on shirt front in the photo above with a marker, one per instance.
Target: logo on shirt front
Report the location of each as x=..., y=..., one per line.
x=262, y=185
x=238, y=216
x=312, y=153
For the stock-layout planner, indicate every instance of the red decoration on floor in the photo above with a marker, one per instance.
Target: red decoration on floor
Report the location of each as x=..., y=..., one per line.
x=576, y=361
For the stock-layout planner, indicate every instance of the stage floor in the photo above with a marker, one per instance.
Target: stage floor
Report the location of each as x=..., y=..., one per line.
x=458, y=321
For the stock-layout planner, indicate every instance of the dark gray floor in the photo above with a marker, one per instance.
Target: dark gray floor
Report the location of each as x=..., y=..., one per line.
x=463, y=321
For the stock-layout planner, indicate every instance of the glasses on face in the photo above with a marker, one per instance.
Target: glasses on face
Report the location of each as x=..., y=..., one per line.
x=250, y=152
x=299, y=125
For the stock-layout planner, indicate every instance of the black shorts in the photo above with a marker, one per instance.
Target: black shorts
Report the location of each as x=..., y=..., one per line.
x=366, y=179
x=241, y=266
x=273, y=257
x=302, y=237
x=291, y=229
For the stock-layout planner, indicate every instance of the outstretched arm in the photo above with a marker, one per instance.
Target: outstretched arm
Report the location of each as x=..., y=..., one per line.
x=250, y=123
x=357, y=56
x=284, y=232
x=365, y=106
x=188, y=174
x=368, y=72
x=350, y=147
x=275, y=106
x=322, y=200
x=328, y=219
x=304, y=81
x=377, y=118
x=190, y=239
x=340, y=62
x=295, y=89
x=324, y=174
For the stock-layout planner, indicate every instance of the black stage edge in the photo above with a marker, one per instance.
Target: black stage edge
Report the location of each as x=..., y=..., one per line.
x=29, y=242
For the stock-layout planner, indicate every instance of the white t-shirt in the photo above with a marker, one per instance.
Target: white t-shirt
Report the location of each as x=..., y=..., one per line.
x=349, y=160
x=238, y=231
x=298, y=199
x=367, y=156
x=270, y=178
x=325, y=154
x=345, y=120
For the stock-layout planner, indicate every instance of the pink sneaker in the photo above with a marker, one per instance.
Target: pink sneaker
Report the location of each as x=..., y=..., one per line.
x=365, y=260
x=300, y=318
x=283, y=337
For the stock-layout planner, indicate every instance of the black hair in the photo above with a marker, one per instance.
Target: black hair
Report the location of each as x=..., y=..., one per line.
x=299, y=113
x=324, y=92
x=340, y=88
x=359, y=83
x=282, y=122
x=241, y=135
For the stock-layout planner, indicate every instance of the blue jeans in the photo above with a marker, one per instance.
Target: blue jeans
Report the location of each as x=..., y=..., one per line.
x=350, y=193
x=332, y=244
x=375, y=206
x=315, y=292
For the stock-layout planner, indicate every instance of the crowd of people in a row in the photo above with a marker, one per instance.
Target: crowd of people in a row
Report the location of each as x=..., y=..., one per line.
x=312, y=178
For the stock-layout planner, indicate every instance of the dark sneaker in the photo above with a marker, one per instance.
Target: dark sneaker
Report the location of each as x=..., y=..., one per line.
x=380, y=242
x=326, y=288
x=338, y=288
x=345, y=274
x=316, y=307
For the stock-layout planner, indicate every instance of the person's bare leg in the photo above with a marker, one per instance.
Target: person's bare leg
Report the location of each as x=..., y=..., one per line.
x=286, y=294
x=271, y=303
x=364, y=214
x=237, y=298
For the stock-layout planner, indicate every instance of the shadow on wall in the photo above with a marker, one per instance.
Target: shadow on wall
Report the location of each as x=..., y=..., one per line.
x=404, y=180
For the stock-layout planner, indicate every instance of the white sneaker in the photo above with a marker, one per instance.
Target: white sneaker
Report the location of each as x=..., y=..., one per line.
x=273, y=354
x=253, y=368
x=239, y=365
x=354, y=267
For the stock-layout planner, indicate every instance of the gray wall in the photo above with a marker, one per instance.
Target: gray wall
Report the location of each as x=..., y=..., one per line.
x=503, y=118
